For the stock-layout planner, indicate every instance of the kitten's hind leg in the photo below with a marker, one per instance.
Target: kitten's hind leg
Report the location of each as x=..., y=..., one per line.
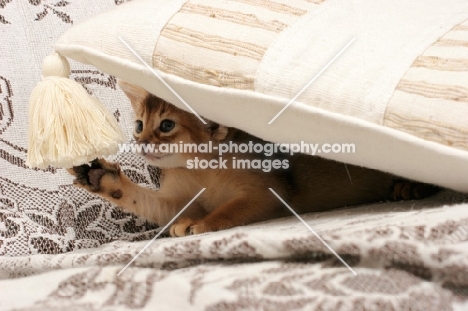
x=411, y=190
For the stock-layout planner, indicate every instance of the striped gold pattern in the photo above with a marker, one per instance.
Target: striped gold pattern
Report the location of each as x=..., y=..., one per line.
x=275, y=6
x=451, y=42
x=430, y=90
x=235, y=17
x=202, y=75
x=441, y=63
x=215, y=43
x=431, y=100
x=221, y=43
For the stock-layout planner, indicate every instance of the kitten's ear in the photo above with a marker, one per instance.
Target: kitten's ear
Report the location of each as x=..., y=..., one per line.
x=137, y=95
x=218, y=132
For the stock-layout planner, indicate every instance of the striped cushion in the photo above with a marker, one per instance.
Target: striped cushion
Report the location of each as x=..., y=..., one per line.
x=222, y=43
x=399, y=92
x=431, y=100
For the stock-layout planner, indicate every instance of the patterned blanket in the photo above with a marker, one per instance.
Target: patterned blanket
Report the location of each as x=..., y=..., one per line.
x=406, y=256
x=64, y=249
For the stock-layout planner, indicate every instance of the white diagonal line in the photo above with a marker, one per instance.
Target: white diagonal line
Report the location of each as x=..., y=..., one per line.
x=160, y=232
x=313, y=79
x=349, y=175
x=313, y=231
x=161, y=79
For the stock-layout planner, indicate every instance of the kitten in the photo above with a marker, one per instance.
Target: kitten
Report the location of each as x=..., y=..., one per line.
x=233, y=197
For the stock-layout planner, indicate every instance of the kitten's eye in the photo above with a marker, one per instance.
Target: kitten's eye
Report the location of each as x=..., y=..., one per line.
x=138, y=126
x=166, y=125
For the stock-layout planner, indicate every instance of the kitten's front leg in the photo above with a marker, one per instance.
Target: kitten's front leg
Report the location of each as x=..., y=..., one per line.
x=107, y=180
x=103, y=178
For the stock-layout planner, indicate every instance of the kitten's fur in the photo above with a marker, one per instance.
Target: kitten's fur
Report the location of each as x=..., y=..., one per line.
x=232, y=197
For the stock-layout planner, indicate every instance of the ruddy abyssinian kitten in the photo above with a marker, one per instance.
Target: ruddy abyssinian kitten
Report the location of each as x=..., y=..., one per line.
x=233, y=197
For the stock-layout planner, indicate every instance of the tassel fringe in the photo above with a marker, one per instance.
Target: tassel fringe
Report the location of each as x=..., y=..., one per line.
x=67, y=127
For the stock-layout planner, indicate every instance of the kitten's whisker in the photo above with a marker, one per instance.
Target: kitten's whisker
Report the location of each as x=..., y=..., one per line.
x=349, y=175
x=161, y=79
x=313, y=231
x=160, y=232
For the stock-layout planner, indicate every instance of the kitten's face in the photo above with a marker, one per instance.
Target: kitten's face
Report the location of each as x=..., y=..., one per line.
x=159, y=122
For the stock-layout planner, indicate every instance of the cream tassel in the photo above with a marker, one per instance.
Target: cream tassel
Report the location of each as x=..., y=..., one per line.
x=67, y=127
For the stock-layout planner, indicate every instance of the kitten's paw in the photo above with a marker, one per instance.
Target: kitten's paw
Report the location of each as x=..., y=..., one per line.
x=187, y=226
x=98, y=177
x=409, y=190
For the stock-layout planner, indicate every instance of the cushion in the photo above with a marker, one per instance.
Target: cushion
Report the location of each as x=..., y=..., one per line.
x=389, y=77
